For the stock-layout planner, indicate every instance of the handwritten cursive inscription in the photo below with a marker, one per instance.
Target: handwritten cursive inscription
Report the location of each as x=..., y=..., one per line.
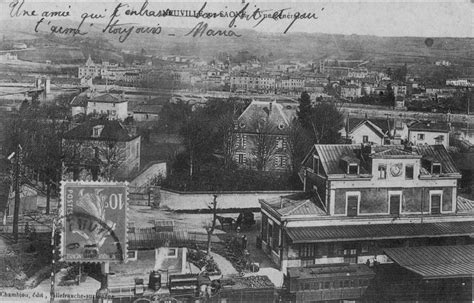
x=202, y=28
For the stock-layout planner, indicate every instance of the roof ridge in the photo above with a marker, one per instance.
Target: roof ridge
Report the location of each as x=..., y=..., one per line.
x=297, y=207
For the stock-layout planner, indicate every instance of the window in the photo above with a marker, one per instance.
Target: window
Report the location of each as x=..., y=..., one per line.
x=172, y=252
x=241, y=158
x=353, y=169
x=315, y=164
x=365, y=139
x=280, y=161
x=439, y=139
x=435, y=202
x=421, y=137
x=305, y=263
x=132, y=255
x=352, y=202
x=436, y=168
x=97, y=130
x=409, y=172
x=382, y=171
x=279, y=143
x=364, y=247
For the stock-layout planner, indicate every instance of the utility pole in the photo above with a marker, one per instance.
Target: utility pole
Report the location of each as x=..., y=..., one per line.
x=16, y=209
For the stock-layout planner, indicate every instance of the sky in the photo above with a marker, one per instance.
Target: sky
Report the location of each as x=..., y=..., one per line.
x=381, y=18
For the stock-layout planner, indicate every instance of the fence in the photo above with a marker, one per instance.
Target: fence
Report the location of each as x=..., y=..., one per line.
x=39, y=228
x=149, y=238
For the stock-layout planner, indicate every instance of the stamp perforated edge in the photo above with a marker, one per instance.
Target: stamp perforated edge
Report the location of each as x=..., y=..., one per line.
x=62, y=217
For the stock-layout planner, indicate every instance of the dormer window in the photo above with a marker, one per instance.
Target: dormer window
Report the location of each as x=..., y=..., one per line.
x=97, y=130
x=350, y=165
x=436, y=168
x=353, y=169
x=315, y=164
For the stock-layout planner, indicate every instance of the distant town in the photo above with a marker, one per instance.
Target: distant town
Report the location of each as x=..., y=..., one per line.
x=244, y=175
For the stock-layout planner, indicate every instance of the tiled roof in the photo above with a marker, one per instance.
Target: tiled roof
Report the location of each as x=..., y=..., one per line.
x=439, y=154
x=107, y=98
x=434, y=262
x=331, y=154
x=464, y=205
x=296, y=205
x=383, y=124
x=393, y=152
x=113, y=130
x=80, y=101
x=259, y=112
x=433, y=127
x=379, y=231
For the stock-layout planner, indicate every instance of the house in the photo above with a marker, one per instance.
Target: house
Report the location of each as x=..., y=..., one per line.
x=351, y=91
x=79, y=104
x=361, y=199
x=107, y=104
x=90, y=69
x=101, y=147
x=358, y=131
x=429, y=133
x=262, y=136
x=146, y=112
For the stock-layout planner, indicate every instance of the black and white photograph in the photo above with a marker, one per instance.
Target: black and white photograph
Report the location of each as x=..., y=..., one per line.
x=236, y=151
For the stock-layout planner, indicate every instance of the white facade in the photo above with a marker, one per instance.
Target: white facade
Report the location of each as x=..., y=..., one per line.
x=428, y=137
x=365, y=134
x=114, y=110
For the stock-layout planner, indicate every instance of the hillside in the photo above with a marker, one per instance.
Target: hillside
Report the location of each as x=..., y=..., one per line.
x=302, y=46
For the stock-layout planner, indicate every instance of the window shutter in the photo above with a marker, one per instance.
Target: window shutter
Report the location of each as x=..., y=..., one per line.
x=245, y=141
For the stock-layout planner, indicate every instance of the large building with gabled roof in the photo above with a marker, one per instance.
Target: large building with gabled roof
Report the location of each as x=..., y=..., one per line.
x=262, y=132
x=361, y=199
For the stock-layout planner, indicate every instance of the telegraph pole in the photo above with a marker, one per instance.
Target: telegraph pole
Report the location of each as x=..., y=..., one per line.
x=16, y=209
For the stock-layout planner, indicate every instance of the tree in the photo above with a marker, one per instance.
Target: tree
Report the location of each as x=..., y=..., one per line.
x=298, y=145
x=324, y=123
x=110, y=155
x=304, y=110
x=264, y=143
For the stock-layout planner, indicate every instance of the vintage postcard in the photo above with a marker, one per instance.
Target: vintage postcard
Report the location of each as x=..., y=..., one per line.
x=236, y=151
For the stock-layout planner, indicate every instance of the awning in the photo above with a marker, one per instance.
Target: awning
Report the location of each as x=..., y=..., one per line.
x=379, y=231
x=436, y=262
